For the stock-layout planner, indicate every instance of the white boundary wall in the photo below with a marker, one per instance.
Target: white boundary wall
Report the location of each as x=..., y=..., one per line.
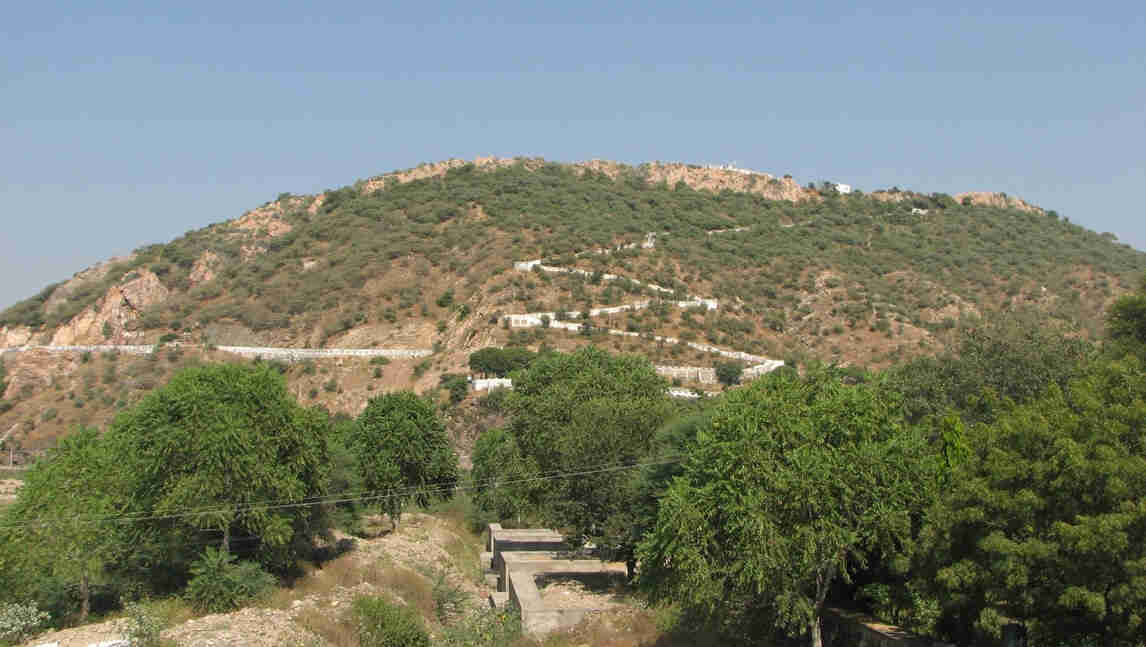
x=287, y=354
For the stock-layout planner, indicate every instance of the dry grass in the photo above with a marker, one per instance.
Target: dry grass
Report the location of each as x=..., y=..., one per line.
x=336, y=629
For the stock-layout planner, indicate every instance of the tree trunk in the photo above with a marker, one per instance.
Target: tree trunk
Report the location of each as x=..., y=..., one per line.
x=817, y=637
x=85, y=597
x=227, y=538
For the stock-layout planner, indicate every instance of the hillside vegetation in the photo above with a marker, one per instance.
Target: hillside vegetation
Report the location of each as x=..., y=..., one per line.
x=425, y=258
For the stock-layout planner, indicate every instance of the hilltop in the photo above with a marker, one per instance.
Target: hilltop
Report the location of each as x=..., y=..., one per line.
x=451, y=257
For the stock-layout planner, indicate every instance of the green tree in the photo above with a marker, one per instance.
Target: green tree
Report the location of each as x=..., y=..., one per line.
x=791, y=485
x=588, y=411
x=500, y=361
x=1045, y=522
x=456, y=385
x=502, y=475
x=202, y=454
x=59, y=523
x=403, y=451
x=728, y=373
x=1012, y=358
x=1126, y=320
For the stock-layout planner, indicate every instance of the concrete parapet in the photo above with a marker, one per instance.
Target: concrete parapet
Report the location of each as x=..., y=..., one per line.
x=287, y=354
x=491, y=383
x=537, y=617
x=700, y=374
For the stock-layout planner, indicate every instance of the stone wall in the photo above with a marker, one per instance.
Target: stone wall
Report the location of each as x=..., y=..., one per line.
x=699, y=374
x=285, y=354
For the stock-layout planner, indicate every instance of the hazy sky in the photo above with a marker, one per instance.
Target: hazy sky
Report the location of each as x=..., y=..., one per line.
x=132, y=124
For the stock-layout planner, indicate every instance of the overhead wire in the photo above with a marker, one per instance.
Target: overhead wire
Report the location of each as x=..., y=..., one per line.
x=426, y=489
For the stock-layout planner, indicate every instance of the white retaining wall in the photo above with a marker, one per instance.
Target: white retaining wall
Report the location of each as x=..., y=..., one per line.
x=699, y=374
x=491, y=383
x=286, y=354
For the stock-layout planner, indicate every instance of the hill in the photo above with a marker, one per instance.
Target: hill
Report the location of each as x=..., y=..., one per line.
x=686, y=264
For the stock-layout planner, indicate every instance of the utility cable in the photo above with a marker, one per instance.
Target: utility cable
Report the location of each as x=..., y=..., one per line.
x=400, y=492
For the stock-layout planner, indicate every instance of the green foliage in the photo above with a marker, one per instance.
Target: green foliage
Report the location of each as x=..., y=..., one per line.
x=1126, y=320
x=791, y=485
x=142, y=627
x=484, y=628
x=569, y=412
x=401, y=446
x=20, y=621
x=500, y=362
x=78, y=481
x=1013, y=358
x=1044, y=523
x=214, y=440
x=219, y=585
x=502, y=475
x=457, y=386
x=728, y=373
x=381, y=623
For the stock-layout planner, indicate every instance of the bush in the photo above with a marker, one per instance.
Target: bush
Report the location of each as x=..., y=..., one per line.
x=488, y=627
x=383, y=624
x=142, y=627
x=19, y=621
x=728, y=372
x=219, y=584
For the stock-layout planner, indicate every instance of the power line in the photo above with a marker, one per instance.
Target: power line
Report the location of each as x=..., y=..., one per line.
x=439, y=488
x=351, y=496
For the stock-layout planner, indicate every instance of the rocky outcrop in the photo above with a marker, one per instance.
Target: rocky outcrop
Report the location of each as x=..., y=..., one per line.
x=1000, y=200
x=266, y=220
x=436, y=169
x=15, y=336
x=81, y=279
x=706, y=178
x=121, y=304
x=205, y=268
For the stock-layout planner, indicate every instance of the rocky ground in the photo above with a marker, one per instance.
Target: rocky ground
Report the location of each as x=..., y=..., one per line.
x=403, y=564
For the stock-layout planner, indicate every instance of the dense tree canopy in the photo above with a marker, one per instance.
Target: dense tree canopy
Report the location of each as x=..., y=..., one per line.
x=60, y=527
x=403, y=451
x=202, y=455
x=500, y=361
x=1013, y=357
x=1126, y=320
x=585, y=415
x=1045, y=523
x=791, y=484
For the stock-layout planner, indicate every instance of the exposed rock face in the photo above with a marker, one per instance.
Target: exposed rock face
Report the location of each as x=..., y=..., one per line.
x=205, y=267
x=122, y=303
x=94, y=273
x=265, y=219
x=432, y=170
x=1002, y=200
x=717, y=179
x=15, y=336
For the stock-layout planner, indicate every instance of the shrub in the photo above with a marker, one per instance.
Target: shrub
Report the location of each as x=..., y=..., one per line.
x=218, y=584
x=449, y=600
x=488, y=627
x=728, y=372
x=383, y=624
x=19, y=621
x=142, y=627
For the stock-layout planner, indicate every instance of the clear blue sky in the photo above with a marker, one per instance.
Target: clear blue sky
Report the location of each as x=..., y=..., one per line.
x=132, y=124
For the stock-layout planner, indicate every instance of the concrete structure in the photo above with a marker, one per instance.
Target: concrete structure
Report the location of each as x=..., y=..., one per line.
x=491, y=383
x=285, y=354
x=698, y=374
x=518, y=557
